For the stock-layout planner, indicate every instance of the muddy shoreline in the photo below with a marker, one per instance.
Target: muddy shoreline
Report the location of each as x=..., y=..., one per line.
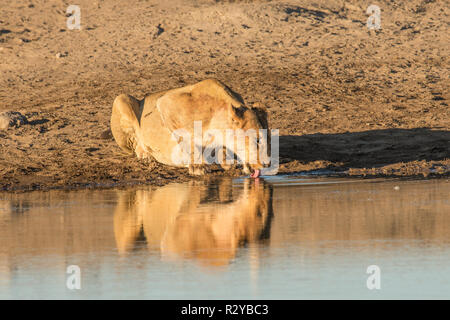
x=181, y=176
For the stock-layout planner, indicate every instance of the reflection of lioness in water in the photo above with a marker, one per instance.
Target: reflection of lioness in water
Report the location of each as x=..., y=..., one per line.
x=194, y=221
x=146, y=127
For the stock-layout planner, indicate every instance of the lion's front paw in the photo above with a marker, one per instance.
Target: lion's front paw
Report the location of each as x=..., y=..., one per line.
x=198, y=170
x=246, y=170
x=141, y=153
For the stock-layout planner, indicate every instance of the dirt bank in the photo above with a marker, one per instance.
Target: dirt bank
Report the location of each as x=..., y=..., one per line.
x=344, y=98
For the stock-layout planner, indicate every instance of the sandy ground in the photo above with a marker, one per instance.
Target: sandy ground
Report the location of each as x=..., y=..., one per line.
x=346, y=99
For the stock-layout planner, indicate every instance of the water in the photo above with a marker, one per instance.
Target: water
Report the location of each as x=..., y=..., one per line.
x=279, y=238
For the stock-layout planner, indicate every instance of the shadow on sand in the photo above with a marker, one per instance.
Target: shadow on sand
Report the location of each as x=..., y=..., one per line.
x=373, y=148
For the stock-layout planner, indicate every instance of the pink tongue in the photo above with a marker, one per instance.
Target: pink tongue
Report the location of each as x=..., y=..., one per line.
x=255, y=174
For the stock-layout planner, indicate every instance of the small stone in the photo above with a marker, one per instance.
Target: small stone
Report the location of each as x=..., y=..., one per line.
x=61, y=55
x=396, y=188
x=10, y=119
x=157, y=31
x=107, y=134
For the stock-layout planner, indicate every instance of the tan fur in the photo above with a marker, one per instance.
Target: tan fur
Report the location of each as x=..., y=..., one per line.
x=145, y=127
x=189, y=221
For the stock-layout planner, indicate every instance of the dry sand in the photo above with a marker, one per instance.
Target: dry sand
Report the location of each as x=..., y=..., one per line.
x=345, y=98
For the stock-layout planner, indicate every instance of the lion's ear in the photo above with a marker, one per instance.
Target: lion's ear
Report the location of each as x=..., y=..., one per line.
x=236, y=113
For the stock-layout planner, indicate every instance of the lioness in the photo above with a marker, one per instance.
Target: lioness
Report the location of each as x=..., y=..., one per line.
x=207, y=222
x=152, y=126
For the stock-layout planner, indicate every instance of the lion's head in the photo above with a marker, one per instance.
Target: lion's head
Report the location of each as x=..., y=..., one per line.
x=252, y=143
